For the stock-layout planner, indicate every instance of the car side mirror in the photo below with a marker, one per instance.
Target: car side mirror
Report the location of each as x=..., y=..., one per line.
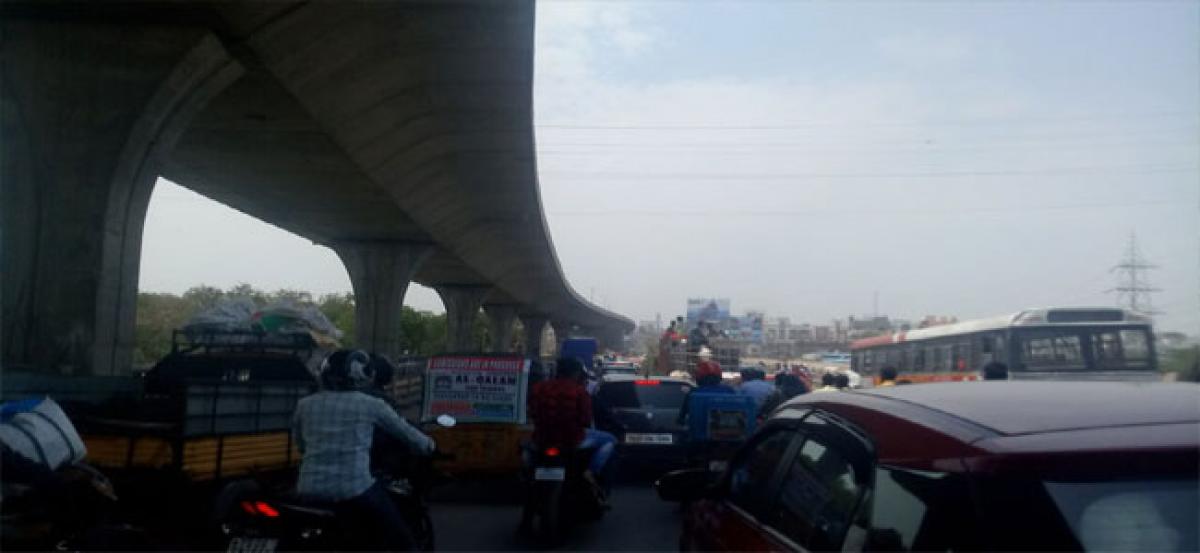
x=686, y=485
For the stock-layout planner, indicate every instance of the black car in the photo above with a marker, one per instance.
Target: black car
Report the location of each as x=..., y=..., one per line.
x=642, y=413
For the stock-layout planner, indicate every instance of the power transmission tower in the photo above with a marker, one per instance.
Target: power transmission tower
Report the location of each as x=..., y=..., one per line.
x=1133, y=288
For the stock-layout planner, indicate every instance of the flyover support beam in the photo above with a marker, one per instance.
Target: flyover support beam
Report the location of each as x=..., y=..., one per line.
x=562, y=330
x=89, y=113
x=534, y=326
x=462, y=307
x=500, y=325
x=380, y=272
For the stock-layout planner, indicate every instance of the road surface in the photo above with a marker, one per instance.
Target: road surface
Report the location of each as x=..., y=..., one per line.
x=483, y=515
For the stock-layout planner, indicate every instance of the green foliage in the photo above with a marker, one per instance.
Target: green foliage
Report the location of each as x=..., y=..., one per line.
x=1183, y=361
x=339, y=309
x=160, y=314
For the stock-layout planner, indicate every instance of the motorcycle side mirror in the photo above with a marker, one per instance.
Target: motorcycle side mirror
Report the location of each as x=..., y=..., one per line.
x=446, y=421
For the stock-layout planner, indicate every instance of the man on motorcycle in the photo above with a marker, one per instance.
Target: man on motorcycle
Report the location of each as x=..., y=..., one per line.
x=561, y=409
x=333, y=429
x=708, y=381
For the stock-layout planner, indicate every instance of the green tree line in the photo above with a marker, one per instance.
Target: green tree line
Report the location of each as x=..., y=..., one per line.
x=158, y=314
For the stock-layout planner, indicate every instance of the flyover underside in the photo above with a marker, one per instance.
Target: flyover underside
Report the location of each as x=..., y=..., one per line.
x=395, y=124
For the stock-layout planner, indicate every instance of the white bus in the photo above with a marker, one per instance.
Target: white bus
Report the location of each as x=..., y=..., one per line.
x=1076, y=343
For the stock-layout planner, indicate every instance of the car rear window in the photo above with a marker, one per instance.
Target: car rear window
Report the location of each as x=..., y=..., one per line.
x=630, y=395
x=1155, y=515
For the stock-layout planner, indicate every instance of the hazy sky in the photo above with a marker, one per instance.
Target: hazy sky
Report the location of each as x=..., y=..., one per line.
x=965, y=158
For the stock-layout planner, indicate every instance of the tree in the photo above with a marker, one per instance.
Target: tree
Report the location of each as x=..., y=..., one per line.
x=1185, y=362
x=339, y=309
x=158, y=315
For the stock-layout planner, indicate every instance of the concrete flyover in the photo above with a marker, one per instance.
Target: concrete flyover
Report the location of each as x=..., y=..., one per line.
x=399, y=134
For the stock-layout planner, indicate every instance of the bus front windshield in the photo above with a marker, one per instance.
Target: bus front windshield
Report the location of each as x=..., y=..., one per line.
x=1085, y=348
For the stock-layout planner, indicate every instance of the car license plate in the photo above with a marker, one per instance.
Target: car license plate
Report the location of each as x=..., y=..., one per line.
x=718, y=466
x=252, y=545
x=649, y=439
x=550, y=473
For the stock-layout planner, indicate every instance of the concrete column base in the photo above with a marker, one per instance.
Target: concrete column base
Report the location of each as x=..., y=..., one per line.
x=562, y=331
x=380, y=273
x=500, y=325
x=462, y=306
x=534, y=325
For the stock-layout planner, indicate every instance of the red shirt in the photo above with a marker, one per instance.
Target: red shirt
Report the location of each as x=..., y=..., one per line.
x=561, y=409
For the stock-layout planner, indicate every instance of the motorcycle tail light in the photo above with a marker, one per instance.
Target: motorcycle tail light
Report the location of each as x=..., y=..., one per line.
x=552, y=452
x=265, y=509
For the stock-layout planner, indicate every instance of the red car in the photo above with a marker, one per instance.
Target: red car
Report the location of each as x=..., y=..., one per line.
x=982, y=465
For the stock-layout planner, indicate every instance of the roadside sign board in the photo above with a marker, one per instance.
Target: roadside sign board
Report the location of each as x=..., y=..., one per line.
x=476, y=388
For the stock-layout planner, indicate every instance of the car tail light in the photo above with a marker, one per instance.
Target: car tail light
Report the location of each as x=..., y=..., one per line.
x=646, y=382
x=552, y=452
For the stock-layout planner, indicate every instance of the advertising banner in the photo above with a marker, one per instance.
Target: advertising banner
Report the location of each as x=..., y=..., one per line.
x=476, y=388
x=707, y=309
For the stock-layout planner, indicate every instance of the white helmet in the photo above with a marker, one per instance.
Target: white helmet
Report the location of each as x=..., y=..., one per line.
x=705, y=353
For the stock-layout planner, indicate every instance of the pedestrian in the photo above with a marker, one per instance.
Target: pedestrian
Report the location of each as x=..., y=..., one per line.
x=827, y=383
x=995, y=370
x=887, y=376
x=787, y=386
x=755, y=386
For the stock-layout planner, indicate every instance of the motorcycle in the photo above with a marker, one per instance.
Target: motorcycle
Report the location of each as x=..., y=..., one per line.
x=262, y=519
x=558, y=494
x=69, y=509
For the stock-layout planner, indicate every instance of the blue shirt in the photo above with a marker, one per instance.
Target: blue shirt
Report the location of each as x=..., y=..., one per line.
x=333, y=431
x=758, y=390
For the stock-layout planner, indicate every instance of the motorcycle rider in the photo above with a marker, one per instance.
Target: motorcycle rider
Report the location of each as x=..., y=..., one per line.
x=708, y=381
x=333, y=429
x=561, y=409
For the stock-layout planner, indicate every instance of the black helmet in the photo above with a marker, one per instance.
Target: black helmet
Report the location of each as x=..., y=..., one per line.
x=347, y=369
x=384, y=371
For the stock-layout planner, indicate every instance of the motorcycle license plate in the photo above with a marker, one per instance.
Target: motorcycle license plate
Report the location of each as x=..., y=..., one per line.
x=666, y=439
x=718, y=466
x=550, y=473
x=252, y=545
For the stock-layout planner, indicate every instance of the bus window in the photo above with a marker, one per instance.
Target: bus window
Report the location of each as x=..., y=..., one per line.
x=1119, y=349
x=918, y=358
x=1135, y=345
x=1051, y=349
x=962, y=356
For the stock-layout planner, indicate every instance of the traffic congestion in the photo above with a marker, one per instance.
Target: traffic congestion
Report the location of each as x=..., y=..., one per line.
x=599, y=275
x=1096, y=457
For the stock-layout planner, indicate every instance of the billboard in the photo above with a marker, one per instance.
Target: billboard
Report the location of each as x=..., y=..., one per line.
x=707, y=309
x=475, y=388
x=753, y=325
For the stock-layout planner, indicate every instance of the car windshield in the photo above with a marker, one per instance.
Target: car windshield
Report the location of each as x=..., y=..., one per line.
x=1157, y=515
x=631, y=395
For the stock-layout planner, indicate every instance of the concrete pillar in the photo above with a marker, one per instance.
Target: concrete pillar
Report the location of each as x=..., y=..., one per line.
x=535, y=325
x=380, y=272
x=89, y=112
x=462, y=306
x=562, y=330
x=500, y=325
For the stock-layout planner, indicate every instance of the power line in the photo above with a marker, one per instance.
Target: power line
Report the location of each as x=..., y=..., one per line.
x=825, y=124
x=1053, y=171
x=844, y=211
x=742, y=148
